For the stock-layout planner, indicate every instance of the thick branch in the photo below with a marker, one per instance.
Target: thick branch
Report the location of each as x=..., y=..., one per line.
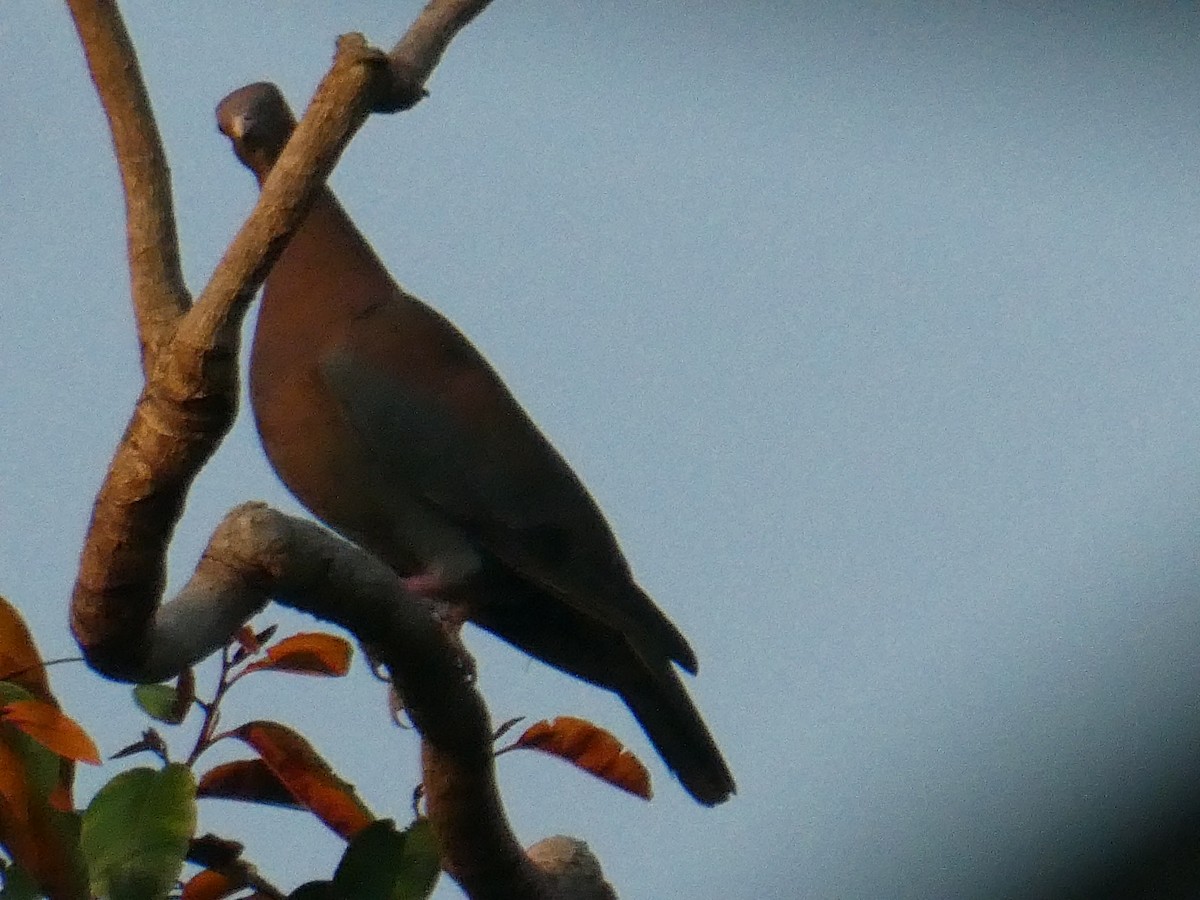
x=190, y=399
x=188, y=404
x=173, y=431
x=257, y=554
x=337, y=110
x=160, y=295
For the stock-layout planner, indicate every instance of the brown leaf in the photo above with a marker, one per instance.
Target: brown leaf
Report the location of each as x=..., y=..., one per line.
x=246, y=779
x=20, y=661
x=151, y=742
x=592, y=749
x=185, y=693
x=51, y=728
x=505, y=727
x=308, y=653
x=307, y=776
x=210, y=885
x=248, y=639
x=214, y=852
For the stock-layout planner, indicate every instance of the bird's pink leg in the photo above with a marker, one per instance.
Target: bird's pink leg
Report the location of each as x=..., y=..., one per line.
x=433, y=585
x=429, y=583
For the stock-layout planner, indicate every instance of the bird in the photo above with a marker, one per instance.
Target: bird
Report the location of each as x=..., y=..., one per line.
x=391, y=428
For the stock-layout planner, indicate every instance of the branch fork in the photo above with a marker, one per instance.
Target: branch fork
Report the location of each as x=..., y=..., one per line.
x=189, y=401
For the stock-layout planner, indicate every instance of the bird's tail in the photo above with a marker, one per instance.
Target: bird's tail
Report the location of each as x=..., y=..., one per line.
x=666, y=713
x=561, y=636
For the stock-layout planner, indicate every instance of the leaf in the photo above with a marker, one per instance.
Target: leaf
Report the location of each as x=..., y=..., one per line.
x=214, y=852
x=505, y=727
x=21, y=665
x=384, y=864
x=20, y=662
x=371, y=864
x=41, y=766
x=248, y=643
x=52, y=728
x=308, y=653
x=422, y=863
x=250, y=780
x=251, y=642
x=151, y=742
x=136, y=832
x=316, y=890
x=307, y=776
x=38, y=828
x=185, y=690
x=156, y=701
x=162, y=702
x=590, y=748
x=209, y=885
x=18, y=884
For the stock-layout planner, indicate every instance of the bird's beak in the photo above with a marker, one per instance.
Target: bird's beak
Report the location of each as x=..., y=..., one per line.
x=237, y=127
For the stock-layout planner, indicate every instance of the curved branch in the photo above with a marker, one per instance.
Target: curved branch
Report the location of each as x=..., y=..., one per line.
x=190, y=398
x=257, y=554
x=187, y=406
x=160, y=295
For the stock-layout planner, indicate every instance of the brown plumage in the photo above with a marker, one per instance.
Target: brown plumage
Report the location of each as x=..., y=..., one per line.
x=391, y=428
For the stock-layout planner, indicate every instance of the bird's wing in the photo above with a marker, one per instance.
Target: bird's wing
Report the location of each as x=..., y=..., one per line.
x=458, y=441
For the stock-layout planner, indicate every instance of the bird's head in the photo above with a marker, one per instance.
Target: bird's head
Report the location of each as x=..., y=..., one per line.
x=258, y=123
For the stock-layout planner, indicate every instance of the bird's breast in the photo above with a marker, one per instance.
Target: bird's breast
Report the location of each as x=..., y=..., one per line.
x=324, y=462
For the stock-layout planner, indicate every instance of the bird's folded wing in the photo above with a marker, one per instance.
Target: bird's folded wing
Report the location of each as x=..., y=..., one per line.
x=501, y=483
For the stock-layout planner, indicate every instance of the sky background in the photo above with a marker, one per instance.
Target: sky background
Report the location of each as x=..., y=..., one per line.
x=872, y=326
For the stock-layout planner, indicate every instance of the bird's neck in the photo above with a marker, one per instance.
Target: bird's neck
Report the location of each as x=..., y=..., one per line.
x=327, y=275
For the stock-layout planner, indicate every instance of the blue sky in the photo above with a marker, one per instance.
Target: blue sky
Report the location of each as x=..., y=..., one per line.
x=873, y=327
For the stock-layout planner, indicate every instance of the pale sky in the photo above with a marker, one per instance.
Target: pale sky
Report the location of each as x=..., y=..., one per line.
x=873, y=327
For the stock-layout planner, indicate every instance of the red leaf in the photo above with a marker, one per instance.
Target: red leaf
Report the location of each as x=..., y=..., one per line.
x=307, y=776
x=309, y=653
x=250, y=780
x=209, y=885
x=32, y=832
x=35, y=829
x=592, y=749
x=51, y=728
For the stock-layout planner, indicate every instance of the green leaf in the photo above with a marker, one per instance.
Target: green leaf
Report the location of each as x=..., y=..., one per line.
x=422, y=864
x=10, y=692
x=136, y=832
x=382, y=863
x=18, y=884
x=371, y=864
x=159, y=701
x=315, y=890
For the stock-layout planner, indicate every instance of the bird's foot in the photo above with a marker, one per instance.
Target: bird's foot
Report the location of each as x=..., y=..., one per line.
x=452, y=617
x=435, y=587
x=429, y=583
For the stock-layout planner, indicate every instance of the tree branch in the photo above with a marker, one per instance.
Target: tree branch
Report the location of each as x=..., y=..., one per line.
x=190, y=398
x=257, y=554
x=160, y=295
x=417, y=54
x=187, y=406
